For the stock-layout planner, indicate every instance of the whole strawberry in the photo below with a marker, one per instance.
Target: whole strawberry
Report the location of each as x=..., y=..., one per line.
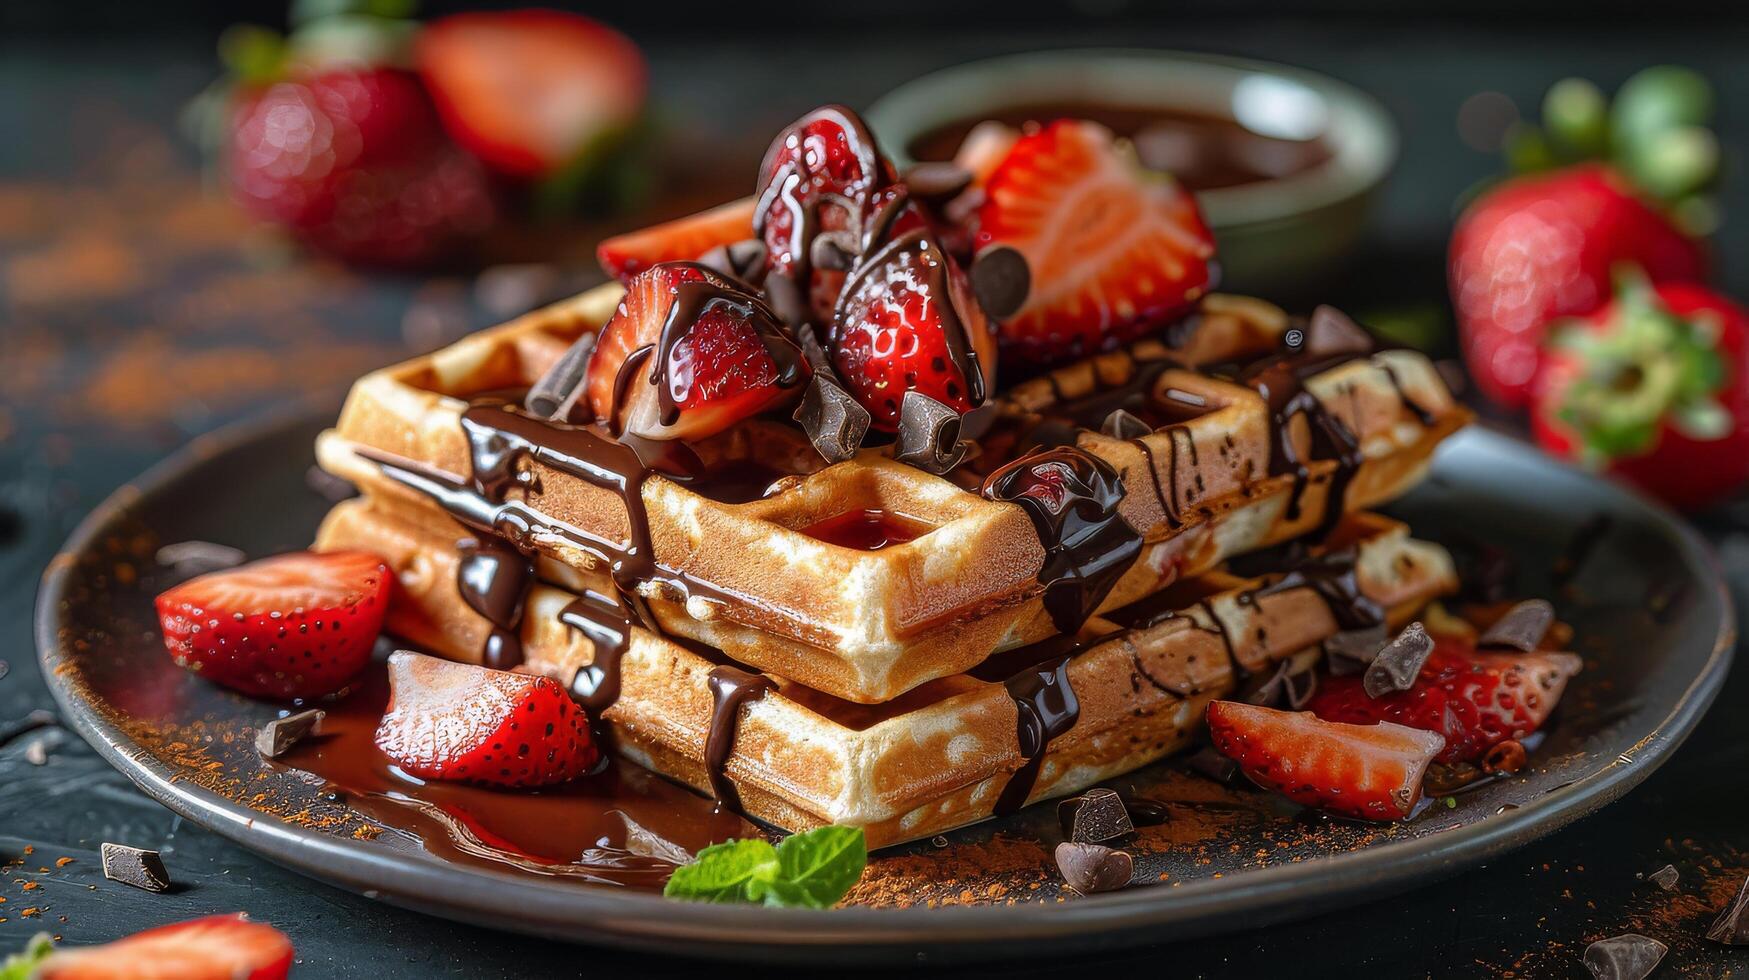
x=353, y=161
x=1603, y=185
x=1652, y=388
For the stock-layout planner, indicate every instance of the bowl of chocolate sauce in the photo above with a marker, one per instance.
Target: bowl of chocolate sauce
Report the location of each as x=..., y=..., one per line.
x=1285, y=162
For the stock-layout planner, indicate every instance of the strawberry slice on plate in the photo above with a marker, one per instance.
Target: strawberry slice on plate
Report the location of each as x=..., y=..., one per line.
x=454, y=721
x=528, y=91
x=1112, y=249
x=297, y=625
x=1474, y=700
x=723, y=358
x=217, y=947
x=680, y=240
x=1371, y=772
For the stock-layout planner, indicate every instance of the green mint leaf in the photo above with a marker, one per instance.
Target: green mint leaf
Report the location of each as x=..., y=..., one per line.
x=23, y=965
x=817, y=868
x=733, y=871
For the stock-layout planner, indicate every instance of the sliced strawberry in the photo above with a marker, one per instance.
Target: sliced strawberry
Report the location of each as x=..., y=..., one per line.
x=527, y=91
x=292, y=626
x=819, y=176
x=1474, y=700
x=218, y=947
x=683, y=239
x=465, y=723
x=727, y=357
x=1372, y=772
x=906, y=321
x=1112, y=250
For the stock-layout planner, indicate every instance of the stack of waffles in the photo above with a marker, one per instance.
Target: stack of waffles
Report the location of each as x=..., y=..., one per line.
x=865, y=643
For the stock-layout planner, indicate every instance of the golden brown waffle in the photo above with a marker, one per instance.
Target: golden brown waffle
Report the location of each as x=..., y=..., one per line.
x=941, y=755
x=868, y=626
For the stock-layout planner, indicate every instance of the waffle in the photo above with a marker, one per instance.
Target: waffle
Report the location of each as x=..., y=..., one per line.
x=944, y=754
x=740, y=572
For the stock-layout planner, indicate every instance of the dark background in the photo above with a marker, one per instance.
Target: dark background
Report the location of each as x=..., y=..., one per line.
x=137, y=311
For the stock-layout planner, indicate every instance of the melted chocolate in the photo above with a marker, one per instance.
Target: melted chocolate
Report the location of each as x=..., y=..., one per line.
x=607, y=624
x=731, y=687
x=623, y=825
x=1332, y=576
x=695, y=299
x=1037, y=678
x=1421, y=413
x=794, y=187
x=494, y=578
x=1072, y=498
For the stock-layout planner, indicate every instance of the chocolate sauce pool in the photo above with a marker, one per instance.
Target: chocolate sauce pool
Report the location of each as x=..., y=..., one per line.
x=623, y=825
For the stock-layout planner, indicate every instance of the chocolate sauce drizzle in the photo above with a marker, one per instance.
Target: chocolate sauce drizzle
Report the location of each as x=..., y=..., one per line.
x=494, y=579
x=731, y=687
x=792, y=186
x=1037, y=679
x=1072, y=498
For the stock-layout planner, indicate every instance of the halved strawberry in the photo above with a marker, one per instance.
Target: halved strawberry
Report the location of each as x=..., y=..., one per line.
x=218, y=947
x=1474, y=700
x=297, y=625
x=728, y=358
x=460, y=722
x=819, y=176
x=1112, y=249
x=1372, y=772
x=906, y=321
x=527, y=91
x=683, y=239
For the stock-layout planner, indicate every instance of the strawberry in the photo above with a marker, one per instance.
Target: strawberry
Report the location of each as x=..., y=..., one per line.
x=731, y=361
x=683, y=239
x=900, y=319
x=1372, y=772
x=528, y=91
x=354, y=162
x=217, y=947
x=1652, y=388
x=297, y=625
x=1474, y=700
x=460, y=722
x=1539, y=248
x=820, y=175
x=1112, y=250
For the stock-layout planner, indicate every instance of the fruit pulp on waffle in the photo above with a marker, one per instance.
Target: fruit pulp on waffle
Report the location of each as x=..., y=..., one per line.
x=901, y=501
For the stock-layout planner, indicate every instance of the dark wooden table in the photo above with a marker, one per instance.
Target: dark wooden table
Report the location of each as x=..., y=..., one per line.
x=137, y=312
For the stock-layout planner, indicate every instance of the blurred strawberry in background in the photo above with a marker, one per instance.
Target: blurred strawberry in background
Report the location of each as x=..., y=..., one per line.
x=385, y=142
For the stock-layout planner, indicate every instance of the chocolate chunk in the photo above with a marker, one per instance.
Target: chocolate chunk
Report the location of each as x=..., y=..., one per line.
x=1332, y=333
x=1350, y=651
x=1665, y=877
x=929, y=434
x=1732, y=925
x=745, y=260
x=560, y=385
x=834, y=421
x=279, y=735
x=1001, y=281
x=135, y=866
x=935, y=182
x=1122, y=425
x=1090, y=868
x=1630, y=956
x=199, y=557
x=833, y=250
x=1522, y=628
x=1399, y=663
x=1211, y=763
x=1099, y=816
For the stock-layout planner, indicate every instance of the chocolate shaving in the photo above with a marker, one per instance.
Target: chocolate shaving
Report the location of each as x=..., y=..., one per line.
x=558, y=388
x=1095, y=817
x=1333, y=333
x=1399, y=663
x=1732, y=925
x=199, y=557
x=834, y=421
x=135, y=866
x=1090, y=868
x=1630, y=956
x=279, y=735
x=1350, y=651
x=1001, y=281
x=929, y=434
x=1665, y=877
x=1285, y=688
x=1522, y=628
x=1123, y=425
x=936, y=182
x=744, y=260
x=833, y=250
